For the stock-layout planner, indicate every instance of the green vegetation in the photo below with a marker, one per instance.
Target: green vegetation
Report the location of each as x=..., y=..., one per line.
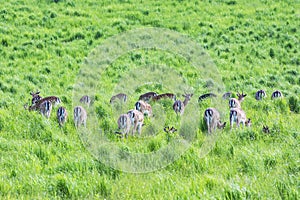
x=254, y=45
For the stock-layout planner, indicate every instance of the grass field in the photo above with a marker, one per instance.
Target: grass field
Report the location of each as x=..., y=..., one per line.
x=44, y=45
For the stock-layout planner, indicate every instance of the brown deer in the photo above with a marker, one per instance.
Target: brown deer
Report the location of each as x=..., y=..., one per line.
x=212, y=119
x=51, y=99
x=239, y=116
x=62, y=115
x=46, y=108
x=227, y=95
x=144, y=108
x=179, y=106
x=137, y=120
x=165, y=96
x=85, y=100
x=260, y=94
x=147, y=96
x=236, y=103
x=120, y=96
x=80, y=116
x=35, y=97
x=205, y=96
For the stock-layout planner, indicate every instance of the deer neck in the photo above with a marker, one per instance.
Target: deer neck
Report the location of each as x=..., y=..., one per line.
x=185, y=102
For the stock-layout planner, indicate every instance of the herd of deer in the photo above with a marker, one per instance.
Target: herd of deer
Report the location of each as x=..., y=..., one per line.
x=133, y=120
x=45, y=105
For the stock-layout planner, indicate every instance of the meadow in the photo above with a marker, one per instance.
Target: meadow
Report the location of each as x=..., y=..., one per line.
x=45, y=44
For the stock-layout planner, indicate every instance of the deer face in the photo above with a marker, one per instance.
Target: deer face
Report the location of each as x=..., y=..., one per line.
x=35, y=97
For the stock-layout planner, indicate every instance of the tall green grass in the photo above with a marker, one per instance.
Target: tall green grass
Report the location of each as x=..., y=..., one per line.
x=255, y=45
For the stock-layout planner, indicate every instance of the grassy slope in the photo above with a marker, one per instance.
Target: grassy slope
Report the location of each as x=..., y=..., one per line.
x=43, y=45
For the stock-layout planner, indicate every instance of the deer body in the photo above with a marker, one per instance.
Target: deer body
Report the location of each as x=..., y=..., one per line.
x=179, y=106
x=236, y=103
x=80, y=116
x=124, y=124
x=137, y=120
x=260, y=94
x=144, y=108
x=276, y=94
x=120, y=96
x=239, y=116
x=62, y=115
x=147, y=96
x=165, y=96
x=46, y=108
x=212, y=119
x=227, y=95
x=85, y=100
x=51, y=99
